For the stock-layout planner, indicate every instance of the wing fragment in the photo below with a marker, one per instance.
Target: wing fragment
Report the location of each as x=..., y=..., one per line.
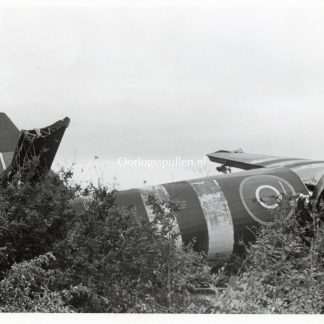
x=248, y=161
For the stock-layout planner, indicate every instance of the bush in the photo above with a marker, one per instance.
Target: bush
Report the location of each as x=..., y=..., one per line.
x=129, y=264
x=27, y=288
x=283, y=270
x=111, y=261
x=33, y=215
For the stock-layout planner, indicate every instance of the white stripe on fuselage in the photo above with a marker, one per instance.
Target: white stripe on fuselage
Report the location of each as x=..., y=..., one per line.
x=161, y=194
x=217, y=215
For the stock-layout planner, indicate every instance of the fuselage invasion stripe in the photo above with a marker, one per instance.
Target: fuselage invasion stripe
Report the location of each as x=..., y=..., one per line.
x=217, y=216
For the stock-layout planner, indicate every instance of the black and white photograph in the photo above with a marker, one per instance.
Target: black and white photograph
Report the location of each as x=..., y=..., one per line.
x=161, y=158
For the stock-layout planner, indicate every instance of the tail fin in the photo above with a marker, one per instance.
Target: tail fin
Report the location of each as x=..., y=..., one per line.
x=39, y=142
x=9, y=135
x=17, y=148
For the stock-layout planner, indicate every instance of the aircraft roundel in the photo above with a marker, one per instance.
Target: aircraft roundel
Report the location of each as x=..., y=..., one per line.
x=262, y=194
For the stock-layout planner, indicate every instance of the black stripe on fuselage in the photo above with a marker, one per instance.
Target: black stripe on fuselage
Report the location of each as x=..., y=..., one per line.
x=190, y=217
x=130, y=201
x=241, y=219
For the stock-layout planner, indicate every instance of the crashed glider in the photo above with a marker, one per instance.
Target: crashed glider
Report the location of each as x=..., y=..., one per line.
x=220, y=210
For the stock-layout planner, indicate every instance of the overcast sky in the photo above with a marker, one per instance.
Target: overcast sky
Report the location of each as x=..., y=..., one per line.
x=167, y=81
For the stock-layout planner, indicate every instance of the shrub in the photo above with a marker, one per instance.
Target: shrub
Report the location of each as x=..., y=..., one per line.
x=129, y=264
x=283, y=273
x=33, y=215
x=27, y=288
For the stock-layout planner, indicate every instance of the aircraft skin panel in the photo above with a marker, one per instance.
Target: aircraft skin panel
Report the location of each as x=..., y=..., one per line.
x=218, y=217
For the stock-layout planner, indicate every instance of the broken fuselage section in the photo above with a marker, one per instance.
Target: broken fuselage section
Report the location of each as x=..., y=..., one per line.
x=219, y=211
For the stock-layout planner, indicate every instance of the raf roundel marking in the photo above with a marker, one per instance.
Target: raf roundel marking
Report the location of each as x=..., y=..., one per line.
x=259, y=198
x=262, y=194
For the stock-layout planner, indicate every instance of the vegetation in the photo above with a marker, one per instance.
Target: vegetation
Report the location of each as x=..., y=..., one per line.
x=54, y=259
x=283, y=271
